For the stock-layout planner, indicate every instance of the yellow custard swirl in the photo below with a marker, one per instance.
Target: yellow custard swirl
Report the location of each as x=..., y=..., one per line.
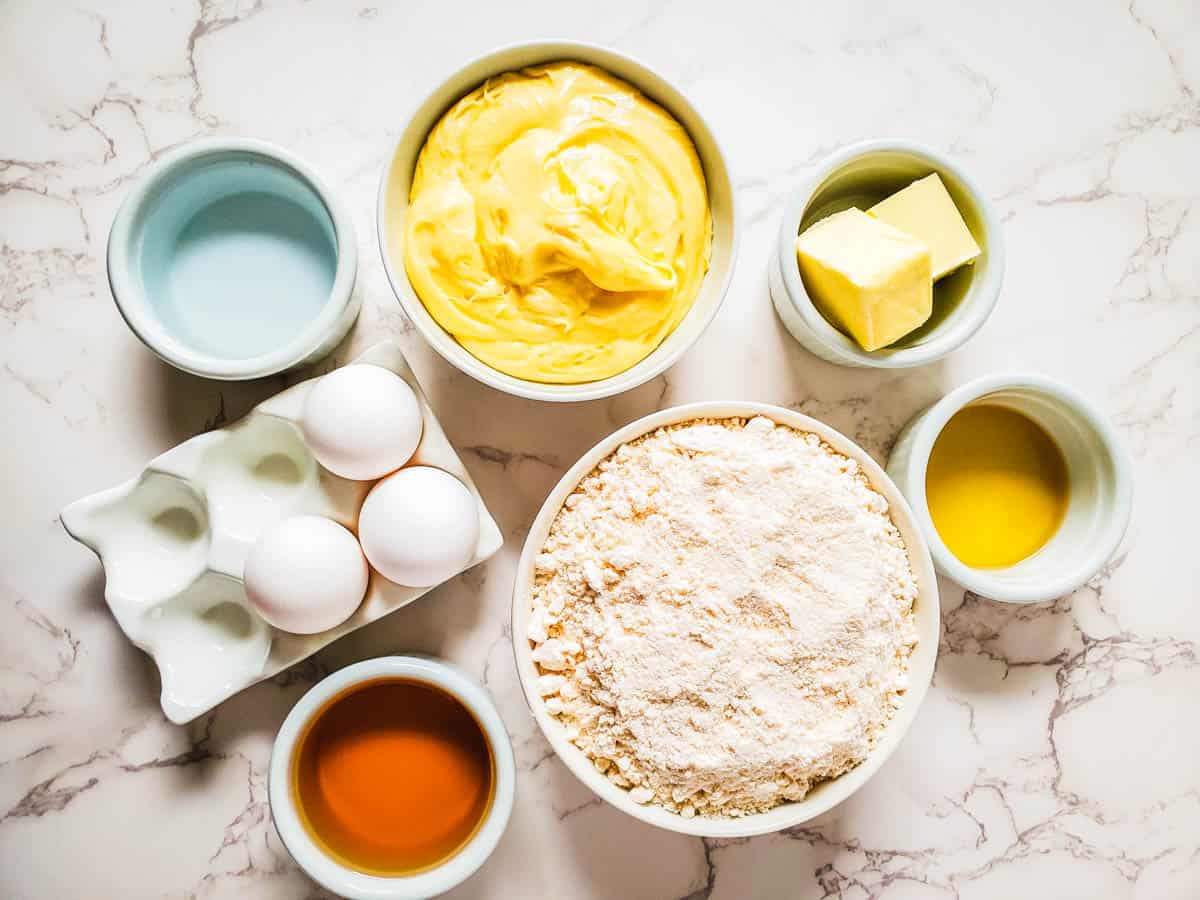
x=558, y=224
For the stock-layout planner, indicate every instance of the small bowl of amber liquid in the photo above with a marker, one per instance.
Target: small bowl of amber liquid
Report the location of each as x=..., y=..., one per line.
x=1018, y=484
x=392, y=779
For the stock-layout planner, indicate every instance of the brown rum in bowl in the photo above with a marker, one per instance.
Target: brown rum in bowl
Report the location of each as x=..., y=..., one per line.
x=393, y=777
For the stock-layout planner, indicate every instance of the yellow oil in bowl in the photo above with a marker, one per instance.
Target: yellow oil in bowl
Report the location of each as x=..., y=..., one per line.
x=997, y=486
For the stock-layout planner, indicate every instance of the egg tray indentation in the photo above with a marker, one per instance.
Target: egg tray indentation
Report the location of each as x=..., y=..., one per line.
x=173, y=542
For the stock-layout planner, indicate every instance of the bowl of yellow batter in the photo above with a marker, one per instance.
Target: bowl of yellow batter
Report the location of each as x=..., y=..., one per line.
x=558, y=221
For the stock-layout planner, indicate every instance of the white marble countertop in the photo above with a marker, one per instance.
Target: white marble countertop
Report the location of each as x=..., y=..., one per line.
x=1058, y=754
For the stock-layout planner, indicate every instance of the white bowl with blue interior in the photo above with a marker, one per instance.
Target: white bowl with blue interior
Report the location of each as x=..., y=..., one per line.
x=231, y=259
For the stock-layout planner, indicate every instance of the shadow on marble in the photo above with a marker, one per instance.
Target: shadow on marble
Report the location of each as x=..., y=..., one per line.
x=184, y=405
x=89, y=593
x=618, y=856
x=258, y=711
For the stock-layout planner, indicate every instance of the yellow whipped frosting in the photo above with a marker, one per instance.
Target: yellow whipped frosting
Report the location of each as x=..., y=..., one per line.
x=558, y=224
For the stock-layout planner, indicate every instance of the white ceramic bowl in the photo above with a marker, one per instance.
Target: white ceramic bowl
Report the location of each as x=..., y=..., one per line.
x=1100, y=479
x=458, y=868
x=823, y=796
x=861, y=175
x=178, y=187
x=396, y=182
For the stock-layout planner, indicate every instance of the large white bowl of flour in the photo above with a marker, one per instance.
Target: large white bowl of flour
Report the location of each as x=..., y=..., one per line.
x=886, y=734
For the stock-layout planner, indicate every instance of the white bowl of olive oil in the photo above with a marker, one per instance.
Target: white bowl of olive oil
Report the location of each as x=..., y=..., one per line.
x=1018, y=484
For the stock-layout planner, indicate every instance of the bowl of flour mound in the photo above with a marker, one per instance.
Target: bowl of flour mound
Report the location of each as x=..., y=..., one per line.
x=725, y=618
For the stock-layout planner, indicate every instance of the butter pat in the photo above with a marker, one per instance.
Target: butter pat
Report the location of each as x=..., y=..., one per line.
x=873, y=280
x=925, y=210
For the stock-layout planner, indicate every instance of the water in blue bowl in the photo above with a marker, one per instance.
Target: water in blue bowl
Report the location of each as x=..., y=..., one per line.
x=238, y=257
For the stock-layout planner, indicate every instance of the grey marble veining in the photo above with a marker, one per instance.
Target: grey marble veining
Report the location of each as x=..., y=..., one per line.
x=1056, y=755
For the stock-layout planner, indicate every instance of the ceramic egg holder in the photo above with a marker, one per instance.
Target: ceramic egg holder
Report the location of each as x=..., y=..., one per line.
x=174, y=540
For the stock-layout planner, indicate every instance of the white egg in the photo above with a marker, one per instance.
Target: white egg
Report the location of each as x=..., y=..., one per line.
x=419, y=526
x=306, y=574
x=362, y=422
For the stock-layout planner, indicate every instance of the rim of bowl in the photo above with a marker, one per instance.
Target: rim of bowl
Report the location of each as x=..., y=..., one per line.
x=358, y=885
x=978, y=581
x=823, y=796
x=133, y=304
x=976, y=305
x=443, y=342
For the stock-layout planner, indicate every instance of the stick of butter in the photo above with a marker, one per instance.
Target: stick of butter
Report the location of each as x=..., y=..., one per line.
x=873, y=280
x=925, y=210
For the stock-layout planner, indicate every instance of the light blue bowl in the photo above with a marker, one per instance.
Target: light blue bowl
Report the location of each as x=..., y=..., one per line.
x=230, y=259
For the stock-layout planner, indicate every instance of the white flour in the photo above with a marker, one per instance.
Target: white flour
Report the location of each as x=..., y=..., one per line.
x=722, y=616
